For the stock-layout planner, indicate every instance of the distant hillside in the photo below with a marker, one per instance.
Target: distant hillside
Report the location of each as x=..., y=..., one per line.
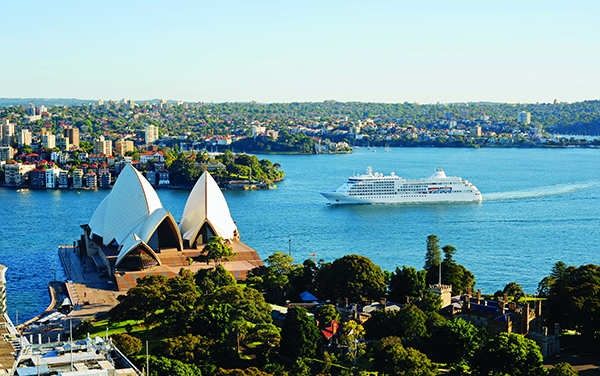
x=5, y=102
x=43, y=102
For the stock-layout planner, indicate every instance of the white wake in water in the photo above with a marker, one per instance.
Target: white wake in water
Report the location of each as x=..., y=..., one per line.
x=544, y=191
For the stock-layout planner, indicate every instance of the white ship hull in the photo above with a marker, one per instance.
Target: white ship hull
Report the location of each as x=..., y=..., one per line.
x=379, y=189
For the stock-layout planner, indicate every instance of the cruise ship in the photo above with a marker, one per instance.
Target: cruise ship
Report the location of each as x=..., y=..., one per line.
x=376, y=188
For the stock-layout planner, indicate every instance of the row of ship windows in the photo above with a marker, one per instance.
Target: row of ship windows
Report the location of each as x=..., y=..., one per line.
x=351, y=193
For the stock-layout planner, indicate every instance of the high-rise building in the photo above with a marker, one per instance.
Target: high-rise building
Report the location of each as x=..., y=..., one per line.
x=151, y=134
x=63, y=179
x=6, y=153
x=8, y=132
x=49, y=141
x=24, y=137
x=78, y=178
x=52, y=176
x=122, y=147
x=524, y=117
x=103, y=147
x=63, y=142
x=72, y=133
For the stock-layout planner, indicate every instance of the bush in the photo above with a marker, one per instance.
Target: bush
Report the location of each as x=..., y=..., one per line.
x=127, y=344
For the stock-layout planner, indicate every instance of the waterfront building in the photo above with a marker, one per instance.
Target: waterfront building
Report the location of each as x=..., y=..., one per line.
x=524, y=117
x=52, y=177
x=151, y=177
x=49, y=141
x=16, y=174
x=38, y=178
x=78, y=178
x=131, y=235
x=122, y=147
x=163, y=178
x=63, y=179
x=151, y=134
x=91, y=180
x=24, y=137
x=105, y=178
x=6, y=153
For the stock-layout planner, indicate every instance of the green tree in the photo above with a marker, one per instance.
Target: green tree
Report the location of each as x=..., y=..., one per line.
x=574, y=299
x=325, y=314
x=300, y=337
x=247, y=303
x=454, y=341
x=562, y=369
x=217, y=250
x=127, y=344
x=508, y=354
x=513, y=289
x=211, y=279
x=433, y=257
x=406, y=282
x=160, y=366
x=142, y=302
x=391, y=358
x=408, y=323
x=354, y=277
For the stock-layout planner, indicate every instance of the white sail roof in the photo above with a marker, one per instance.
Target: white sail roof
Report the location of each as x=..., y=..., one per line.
x=206, y=203
x=130, y=202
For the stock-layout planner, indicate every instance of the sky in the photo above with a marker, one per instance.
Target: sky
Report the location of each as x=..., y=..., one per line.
x=290, y=51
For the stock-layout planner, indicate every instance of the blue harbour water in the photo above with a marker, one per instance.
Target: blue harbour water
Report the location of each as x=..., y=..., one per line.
x=540, y=206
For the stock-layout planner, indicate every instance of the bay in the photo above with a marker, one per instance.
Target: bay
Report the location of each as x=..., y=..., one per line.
x=539, y=206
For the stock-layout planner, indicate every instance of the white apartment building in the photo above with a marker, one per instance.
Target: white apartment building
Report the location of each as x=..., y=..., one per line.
x=24, y=137
x=151, y=134
x=524, y=117
x=78, y=178
x=52, y=176
x=49, y=141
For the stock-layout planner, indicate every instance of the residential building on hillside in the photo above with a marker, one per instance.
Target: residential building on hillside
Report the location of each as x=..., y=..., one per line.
x=24, y=137
x=102, y=146
x=151, y=134
x=72, y=133
x=49, y=141
x=524, y=117
x=63, y=142
x=7, y=131
x=122, y=147
x=6, y=153
x=157, y=157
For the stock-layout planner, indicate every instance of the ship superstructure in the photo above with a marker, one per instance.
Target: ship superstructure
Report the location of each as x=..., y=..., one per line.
x=376, y=188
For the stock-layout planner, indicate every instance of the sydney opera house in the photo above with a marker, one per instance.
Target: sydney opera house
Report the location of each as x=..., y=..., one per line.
x=131, y=235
